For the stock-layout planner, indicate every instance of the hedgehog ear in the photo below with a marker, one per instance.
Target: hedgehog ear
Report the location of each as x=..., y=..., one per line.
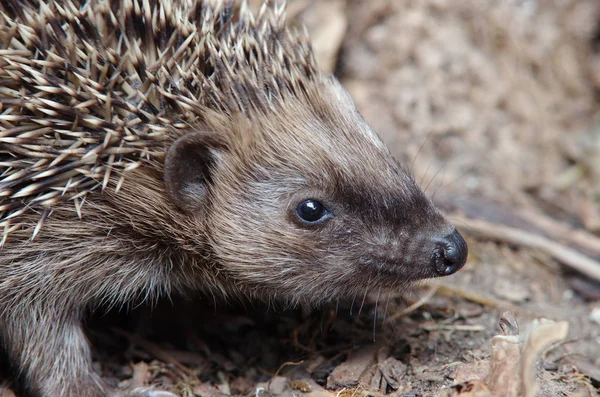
x=188, y=168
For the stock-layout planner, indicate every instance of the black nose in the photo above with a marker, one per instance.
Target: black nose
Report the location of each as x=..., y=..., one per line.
x=450, y=254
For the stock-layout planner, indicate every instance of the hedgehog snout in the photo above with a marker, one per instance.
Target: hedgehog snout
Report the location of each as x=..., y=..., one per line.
x=449, y=254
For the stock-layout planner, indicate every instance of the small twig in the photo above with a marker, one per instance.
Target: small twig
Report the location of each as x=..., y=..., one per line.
x=452, y=364
x=522, y=218
x=560, y=252
x=417, y=304
x=448, y=291
x=457, y=327
x=562, y=231
x=285, y=364
x=280, y=368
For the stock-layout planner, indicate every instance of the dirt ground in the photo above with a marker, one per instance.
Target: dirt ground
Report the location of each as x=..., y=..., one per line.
x=494, y=107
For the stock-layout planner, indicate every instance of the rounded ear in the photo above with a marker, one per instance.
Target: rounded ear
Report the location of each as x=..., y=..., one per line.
x=188, y=168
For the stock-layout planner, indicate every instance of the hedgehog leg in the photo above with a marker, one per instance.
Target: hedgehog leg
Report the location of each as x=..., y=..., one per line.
x=49, y=352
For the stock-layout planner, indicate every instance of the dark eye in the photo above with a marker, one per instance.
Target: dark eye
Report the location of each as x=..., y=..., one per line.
x=312, y=211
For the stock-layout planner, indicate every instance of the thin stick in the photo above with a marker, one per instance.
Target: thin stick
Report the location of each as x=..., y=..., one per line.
x=417, y=304
x=560, y=252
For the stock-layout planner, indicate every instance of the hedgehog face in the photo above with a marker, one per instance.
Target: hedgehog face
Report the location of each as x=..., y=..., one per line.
x=312, y=206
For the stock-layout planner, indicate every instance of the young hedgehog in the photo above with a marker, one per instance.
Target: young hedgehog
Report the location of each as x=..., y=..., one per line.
x=153, y=147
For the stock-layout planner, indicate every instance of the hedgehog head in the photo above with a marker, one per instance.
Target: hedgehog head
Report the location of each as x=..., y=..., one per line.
x=306, y=204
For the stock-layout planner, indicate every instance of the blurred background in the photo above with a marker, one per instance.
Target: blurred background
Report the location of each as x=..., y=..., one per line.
x=492, y=98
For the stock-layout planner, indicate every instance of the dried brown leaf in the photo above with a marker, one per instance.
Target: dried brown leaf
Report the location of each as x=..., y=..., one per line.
x=347, y=373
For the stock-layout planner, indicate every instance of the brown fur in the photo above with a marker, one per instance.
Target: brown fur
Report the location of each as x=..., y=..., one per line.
x=213, y=213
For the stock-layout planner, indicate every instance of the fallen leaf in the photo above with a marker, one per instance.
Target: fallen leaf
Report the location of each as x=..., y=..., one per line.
x=347, y=373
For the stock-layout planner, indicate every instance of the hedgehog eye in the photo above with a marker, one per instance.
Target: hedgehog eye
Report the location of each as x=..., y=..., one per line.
x=312, y=211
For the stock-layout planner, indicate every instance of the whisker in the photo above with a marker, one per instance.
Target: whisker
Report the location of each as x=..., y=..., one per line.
x=430, y=163
x=352, y=304
x=321, y=324
x=439, y=184
x=452, y=182
x=375, y=313
x=387, y=302
x=335, y=314
x=412, y=165
x=363, y=302
x=435, y=175
x=444, y=164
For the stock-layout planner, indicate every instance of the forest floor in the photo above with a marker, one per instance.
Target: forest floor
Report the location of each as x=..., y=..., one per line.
x=494, y=106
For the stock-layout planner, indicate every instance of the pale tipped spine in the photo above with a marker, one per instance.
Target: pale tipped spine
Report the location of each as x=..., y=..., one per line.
x=87, y=93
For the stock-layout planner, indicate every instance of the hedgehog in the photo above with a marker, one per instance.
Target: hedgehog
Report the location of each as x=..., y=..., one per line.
x=157, y=147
